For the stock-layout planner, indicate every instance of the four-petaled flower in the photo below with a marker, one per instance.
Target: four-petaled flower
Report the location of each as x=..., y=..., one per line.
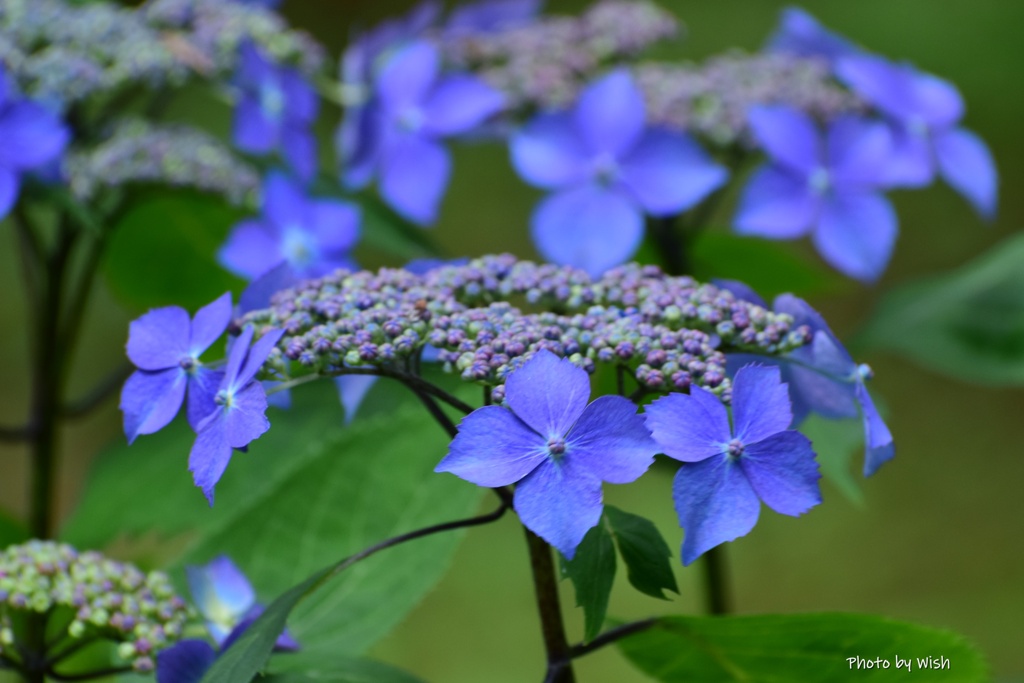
x=925, y=112
x=306, y=237
x=31, y=137
x=554, y=447
x=225, y=598
x=801, y=34
x=607, y=169
x=275, y=110
x=824, y=185
x=415, y=108
x=238, y=417
x=728, y=471
x=165, y=345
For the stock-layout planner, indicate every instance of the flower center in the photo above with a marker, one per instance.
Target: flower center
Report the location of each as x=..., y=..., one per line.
x=864, y=372
x=918, y=127
x=605, y=169
x=188, y=364
x=299, y=248
x=272, y=101
x=223, y=398
x=556, y=446
x=735, y=448
x=820, y=180
x=411, y=119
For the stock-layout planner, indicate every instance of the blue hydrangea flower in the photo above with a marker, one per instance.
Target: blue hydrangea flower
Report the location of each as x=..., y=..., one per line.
x=554, y=447
x=607, y=169
x=825, y=185
x=822, y=377
x=309, y=237
x=729, y=471
x=275, y=110
x=33, y=138
x=925, y=112
x=238, y=417
x=802, y=35
x=487, y=16
x=416, y=107
x=165, y=345
x=225, y=598
x=358, y=139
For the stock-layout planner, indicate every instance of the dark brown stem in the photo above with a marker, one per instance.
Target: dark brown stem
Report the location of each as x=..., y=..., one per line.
x=545, y=584
x=670, y=244
x=716, y=581
x=610, y=636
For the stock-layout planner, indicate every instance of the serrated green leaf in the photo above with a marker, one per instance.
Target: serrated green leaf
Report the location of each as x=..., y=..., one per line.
x=592, y=572
x=967, y=324
x=837, y=443
x=798, y=648
x=645, y=553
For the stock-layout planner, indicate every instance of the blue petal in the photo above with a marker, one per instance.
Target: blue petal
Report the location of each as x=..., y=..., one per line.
x=254, y=131
x=741, y=291
x=549, y=153
x=209, y=324
x=859, y=152
x=284, y=202
x=352, y=390
x=159, y=339
x=298, y=147
x=185, y=662
x=813, y=392
x=358, y=143
x=203, y=384
x=415, y=176
x=335, y=224
x=300, y=97
x=669, y=172
x=259, y=292
x=408, y=75
x=238, y=348
x=33, y=136
x=783, y=472
x=911, y=162
x=760, y=403
x=857, y=233
x=588, y=227
x=458, y=104
x=548, y=393
x=493, y=448
x=251, y=251
x=788, y=136
x=877, y=437
x=150, y=400
x=776, y=204
x=610, y=114
x=689, y=427
x=257, y=355
x=903, y=92
x=559, y=501
x=611, y=441
x=221, y=591
x=801, y=34
x=715, y=503
x=210, y=455
x=966, y=164
x=486, y=16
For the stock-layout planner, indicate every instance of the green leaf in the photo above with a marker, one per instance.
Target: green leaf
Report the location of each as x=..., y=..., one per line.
x=769, y=266
x=385, y=231
x=12, y=530
x=797, y=649
x=307, y=494
x=163, y=251
x=341, y=670
x=838, y=443
x=592, y=572
x=644, y=551
x=968, y=323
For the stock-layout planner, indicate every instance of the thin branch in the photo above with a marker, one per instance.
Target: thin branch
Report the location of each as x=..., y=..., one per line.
x=545, y=584
x=103, y=390
x=716, y=581
x=610, y=636
x=16, y=434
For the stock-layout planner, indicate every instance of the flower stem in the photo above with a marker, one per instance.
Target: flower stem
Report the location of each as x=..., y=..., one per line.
x=670, y=245
x=611, y=636
x=716, y=581
x=545, y=584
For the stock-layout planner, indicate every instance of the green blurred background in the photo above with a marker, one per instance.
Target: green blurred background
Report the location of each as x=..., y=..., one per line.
x=939, y=537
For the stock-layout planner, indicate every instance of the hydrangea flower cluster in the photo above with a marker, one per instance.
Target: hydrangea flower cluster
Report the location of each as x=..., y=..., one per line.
x=109, y=600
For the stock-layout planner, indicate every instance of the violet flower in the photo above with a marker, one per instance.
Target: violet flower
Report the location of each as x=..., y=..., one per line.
x=728, y=471
x=802, y=35
x=554, y=447
x=607, y=169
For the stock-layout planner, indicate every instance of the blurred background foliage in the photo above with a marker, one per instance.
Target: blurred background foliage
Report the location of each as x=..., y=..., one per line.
x=934, y=537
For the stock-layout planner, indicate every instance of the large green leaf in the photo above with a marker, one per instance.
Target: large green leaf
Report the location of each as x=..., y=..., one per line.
x=342, y=670
x=799, y=648
x=163, y=250
x=644, y=552
x=307, y=493
x=968, y=323
x=592, y=572
x=12, y=529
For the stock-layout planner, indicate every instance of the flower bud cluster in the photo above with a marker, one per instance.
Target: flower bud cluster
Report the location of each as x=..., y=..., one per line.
x=179, y=156
x=487, y=317
x=547, y=62
x=712, y=99
x=108, y=599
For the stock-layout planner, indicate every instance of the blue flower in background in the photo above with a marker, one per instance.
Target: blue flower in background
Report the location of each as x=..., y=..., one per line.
x=822, y=377
x=31, y=138
x=358, y=139
x=487, y=16
x=554, y=447
x=225, y=598
x=303, y=237
x=729, y=471
x=607, y=169
x=825, y=185
x=416, y=108
x=165, y=345
x=925, y=113
x=275, y=110
x=801, y=34
x=238, y=417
